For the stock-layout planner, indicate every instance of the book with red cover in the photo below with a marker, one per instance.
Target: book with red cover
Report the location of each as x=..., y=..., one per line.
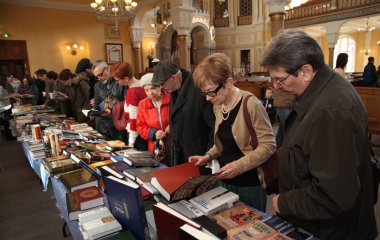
x=183, y=181
x=145, y=193
x=89, y=197
x=169, y=220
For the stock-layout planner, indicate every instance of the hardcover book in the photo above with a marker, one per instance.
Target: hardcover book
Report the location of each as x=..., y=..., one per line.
x=73, y=207
x=126, y=203
x=113, y=169
x=78, y=179
x=117, y=158
x=98, y=156
x=138, y=154
x=287, y=228
x=131, y=173
x=61, y=166
x=168, y=221
x=214, y=200
x=56, y=158
x=118, y=148
x=126, y=235
x=145, y=177
x=237, y=215
x=84, y=165
x=252, y=230
x=210, y=227
x=141, y=162
x=89, y=197
x=98, y=223
x=182, y=182
x=187, y=232
x=186, y=208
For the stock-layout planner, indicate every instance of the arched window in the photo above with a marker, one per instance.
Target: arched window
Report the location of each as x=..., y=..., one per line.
x=346, y=44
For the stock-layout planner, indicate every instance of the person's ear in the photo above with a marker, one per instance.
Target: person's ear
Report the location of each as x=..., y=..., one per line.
x=307, y=72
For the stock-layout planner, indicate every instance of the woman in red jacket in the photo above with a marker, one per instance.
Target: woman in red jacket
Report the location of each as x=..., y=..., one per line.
x=153, y=113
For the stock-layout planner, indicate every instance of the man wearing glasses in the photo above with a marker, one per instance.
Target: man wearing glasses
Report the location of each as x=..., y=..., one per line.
x=106, y=87
x=325, y=170
x=191, y=117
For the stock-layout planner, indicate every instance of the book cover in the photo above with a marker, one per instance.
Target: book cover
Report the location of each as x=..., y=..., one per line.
x=163, y=215
x=150, y=188
x=98, y=164
x=113, y=169
x=73, y=207
x=98, y=156
x=146, y=195
x=138, y=154
x=89, y=197
x=98, y=223
x=287, y=228
x=210, y=227
x=117, y=158
x=84, y=165
x=56, y=158
x=145, y=177
x=252, y=230
x=61, y=166
x=78, y=179
x=141, y=161
x=214, y=200
x=186, y=182
x=126, y=203
x=131, y=173
x=186, y=208
x=237, y=215
x=187, y=232
x=116, y=143
x=101, y=146
x=278, y=236
x=81, y=155
x=118, y=148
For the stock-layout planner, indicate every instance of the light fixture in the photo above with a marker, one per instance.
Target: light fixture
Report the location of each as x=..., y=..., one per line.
x=221, y=1
x=151, y=48
x=114, y=10
x=6, y=35
x=74, y=48
x=366, y=28
x=365, y=51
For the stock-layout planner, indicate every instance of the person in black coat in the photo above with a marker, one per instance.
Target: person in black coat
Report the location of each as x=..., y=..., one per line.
x=268, y=104
x=191, y=117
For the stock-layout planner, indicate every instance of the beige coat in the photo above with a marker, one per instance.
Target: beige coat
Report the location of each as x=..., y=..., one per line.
x=263, y=129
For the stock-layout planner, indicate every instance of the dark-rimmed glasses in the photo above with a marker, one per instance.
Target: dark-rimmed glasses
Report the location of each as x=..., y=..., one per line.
x=279, y=81
x=211, y=93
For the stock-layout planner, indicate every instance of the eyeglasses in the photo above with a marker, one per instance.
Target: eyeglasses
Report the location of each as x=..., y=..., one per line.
x=212, y=93
x=100, y=74
x=279, y=81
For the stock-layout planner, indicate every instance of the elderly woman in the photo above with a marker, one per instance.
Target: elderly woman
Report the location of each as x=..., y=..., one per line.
x=122, y=73
x=5, y=98
x=153, y=113
x=238, y=162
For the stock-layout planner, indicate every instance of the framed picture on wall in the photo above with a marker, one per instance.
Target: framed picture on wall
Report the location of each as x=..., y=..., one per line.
x=114, y=52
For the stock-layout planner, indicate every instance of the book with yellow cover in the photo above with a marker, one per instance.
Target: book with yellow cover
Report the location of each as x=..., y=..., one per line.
x=254, y=230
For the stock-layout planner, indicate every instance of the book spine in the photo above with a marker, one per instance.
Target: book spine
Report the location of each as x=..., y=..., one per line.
x=84, y=165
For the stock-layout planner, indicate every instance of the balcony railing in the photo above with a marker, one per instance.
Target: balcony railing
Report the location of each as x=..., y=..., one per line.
x=244, y=20
x=221, y=22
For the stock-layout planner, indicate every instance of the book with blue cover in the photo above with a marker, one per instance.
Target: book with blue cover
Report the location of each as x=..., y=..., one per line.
x=126, y=204
x=287, y=228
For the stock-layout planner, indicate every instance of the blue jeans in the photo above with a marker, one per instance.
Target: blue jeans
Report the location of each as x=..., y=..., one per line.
x=283, y=113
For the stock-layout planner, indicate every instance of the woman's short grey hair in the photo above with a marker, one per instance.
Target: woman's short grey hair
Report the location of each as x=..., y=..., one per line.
x=99, y=63
x=291, y=49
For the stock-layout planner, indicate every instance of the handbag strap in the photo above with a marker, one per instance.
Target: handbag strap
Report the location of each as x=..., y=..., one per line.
x=247, y=119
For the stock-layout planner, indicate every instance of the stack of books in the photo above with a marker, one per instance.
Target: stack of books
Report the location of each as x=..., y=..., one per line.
x=37, y=149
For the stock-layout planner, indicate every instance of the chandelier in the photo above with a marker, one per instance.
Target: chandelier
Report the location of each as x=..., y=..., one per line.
x=114, y=10
x=366, y=28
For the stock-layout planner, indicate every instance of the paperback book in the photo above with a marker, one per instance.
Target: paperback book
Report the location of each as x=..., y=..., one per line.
x=252, y=230
x=287, y=228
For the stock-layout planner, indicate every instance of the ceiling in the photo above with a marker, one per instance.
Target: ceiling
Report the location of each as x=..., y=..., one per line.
x=84, y=5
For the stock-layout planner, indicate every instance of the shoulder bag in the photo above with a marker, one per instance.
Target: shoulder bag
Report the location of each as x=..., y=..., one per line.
x=270, y=167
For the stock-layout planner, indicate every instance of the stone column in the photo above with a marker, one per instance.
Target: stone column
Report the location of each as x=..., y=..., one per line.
x=137, y=34
x=182, y=20
x=276, y=14
x=332, y=36
x=231, y=13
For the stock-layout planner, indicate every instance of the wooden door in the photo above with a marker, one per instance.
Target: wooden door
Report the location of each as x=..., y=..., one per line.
x=14, y=58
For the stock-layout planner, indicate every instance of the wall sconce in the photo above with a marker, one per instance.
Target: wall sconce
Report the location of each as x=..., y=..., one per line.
x=365, y=51
x=151, y=48
x=212, y=32
x=378, y=43
x=74, y=48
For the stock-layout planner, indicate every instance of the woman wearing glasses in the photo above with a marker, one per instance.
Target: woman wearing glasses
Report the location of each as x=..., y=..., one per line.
x=238, y=162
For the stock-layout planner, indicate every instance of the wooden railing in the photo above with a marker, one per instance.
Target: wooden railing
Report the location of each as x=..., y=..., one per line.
x=244, y=20
x=221, y=22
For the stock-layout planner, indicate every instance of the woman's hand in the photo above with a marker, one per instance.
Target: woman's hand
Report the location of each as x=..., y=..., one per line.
x=228, y=171
x=201, y=160
x=167, y=130
x=108, y=113
x=160, y=134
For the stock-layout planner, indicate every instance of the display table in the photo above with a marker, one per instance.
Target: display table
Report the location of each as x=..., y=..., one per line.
x=37, y=166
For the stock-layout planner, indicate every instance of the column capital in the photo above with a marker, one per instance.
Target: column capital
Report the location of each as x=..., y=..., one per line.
x=182, y=19
x=276, y=5
x=137, y=35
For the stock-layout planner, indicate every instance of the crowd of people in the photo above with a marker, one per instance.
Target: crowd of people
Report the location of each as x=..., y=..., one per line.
x=325, y=172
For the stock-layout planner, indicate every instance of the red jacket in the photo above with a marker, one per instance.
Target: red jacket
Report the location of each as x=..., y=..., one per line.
x=147, y=119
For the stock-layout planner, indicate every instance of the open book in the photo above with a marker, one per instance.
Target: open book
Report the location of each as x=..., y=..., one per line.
x=88, y=113
x=55, y=95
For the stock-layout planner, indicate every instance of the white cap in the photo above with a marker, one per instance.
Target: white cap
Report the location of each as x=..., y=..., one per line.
x=146, y=79
x=155, y=60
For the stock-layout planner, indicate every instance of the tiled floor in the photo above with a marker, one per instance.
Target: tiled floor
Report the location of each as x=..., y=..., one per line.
x=376, y=140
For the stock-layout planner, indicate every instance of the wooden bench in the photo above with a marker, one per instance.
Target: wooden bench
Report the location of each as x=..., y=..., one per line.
x=371, y=100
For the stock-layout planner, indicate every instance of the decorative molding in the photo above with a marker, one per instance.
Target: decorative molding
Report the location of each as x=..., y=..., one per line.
x=109, y=31
x=50, y=4
x=137, y=34
x=331, y=17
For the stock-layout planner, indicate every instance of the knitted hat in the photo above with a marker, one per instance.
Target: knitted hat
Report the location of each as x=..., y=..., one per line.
x=147, y=79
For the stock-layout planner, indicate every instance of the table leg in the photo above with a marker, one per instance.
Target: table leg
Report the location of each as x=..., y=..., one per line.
x=64, y=229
